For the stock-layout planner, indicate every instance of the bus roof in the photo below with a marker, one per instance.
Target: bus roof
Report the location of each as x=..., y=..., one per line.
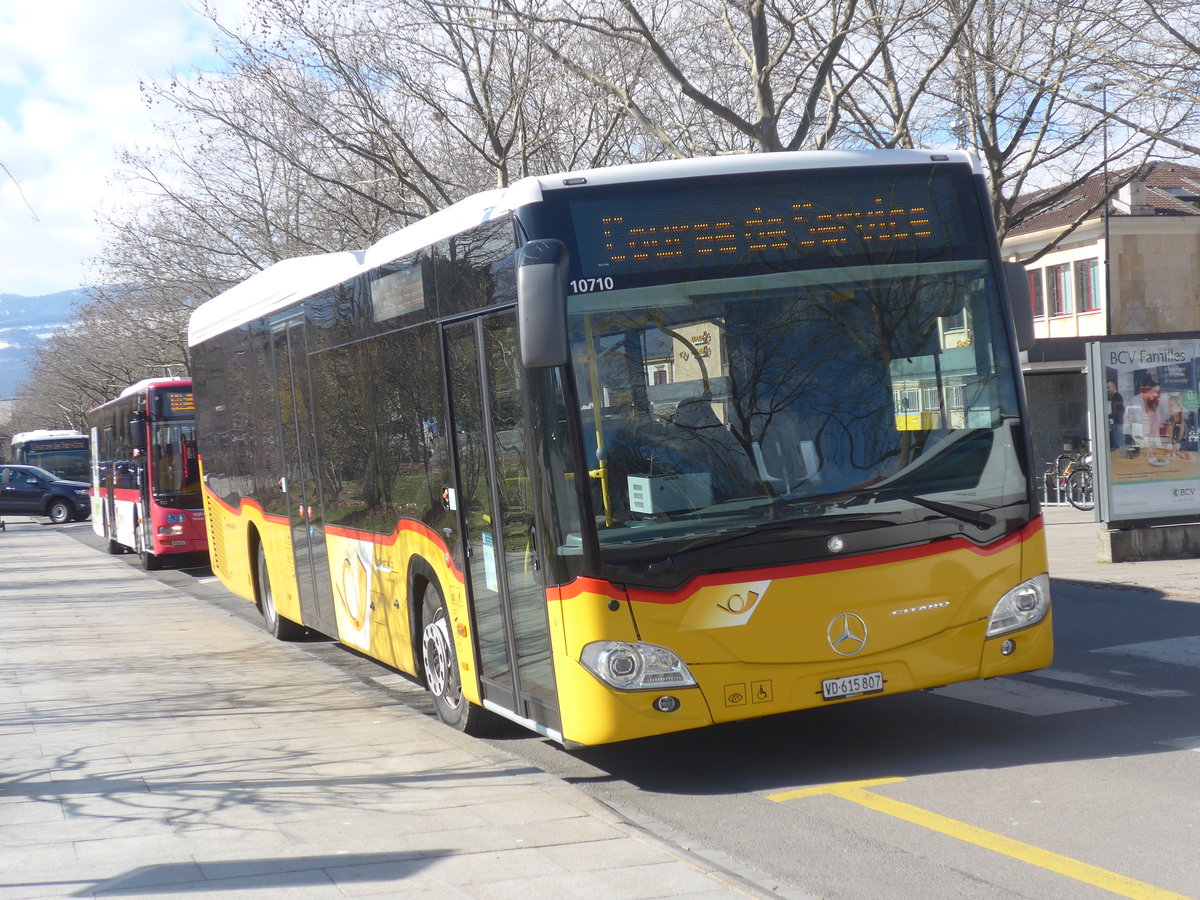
x=272, y=288
x=294, y=279
x=144, y=384
x=147, y=383
x=44, y=434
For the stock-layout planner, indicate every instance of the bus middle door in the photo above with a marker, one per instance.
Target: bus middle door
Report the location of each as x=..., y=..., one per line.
x=299, y=481
x=495, y=509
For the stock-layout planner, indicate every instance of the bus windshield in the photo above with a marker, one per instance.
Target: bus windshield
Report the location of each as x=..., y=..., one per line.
x=175, y=466
x=869, y=397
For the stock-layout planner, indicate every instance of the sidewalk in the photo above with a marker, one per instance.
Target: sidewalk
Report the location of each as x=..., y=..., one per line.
x=156, y=746
x=1072, y=544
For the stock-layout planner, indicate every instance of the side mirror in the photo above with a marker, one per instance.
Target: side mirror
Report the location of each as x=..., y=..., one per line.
x=542, y=304
x=1020, y=303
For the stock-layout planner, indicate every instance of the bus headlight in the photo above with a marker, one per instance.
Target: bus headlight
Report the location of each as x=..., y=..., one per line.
x=635, y=667
x=1024, y=605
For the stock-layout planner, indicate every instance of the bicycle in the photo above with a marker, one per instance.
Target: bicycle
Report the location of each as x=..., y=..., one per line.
x=1077, y=480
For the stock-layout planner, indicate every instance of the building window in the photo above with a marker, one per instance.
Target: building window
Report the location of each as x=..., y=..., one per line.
x=1036, y=293
x=1087, y=292
x=1058, y=278
x=660, y=373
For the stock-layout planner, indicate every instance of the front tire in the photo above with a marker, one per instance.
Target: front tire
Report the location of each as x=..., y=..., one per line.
x=60, y=512
x=277, y=626
x=440, y=664
x=150, y=562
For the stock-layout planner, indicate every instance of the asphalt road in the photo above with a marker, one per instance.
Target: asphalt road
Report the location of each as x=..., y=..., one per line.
x=1081, y=781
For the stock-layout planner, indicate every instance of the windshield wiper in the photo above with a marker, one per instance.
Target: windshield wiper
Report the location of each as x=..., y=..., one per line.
x=974, y=517
x=842, y=499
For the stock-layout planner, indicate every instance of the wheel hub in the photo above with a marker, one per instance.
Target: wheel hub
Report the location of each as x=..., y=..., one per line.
x=436, y=652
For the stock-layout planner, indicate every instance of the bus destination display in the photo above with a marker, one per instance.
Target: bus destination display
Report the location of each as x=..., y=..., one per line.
x=176, y=405
x=867, y=219
x=41, y=446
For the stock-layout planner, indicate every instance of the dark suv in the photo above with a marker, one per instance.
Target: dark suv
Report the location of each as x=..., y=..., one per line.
x=34, y=491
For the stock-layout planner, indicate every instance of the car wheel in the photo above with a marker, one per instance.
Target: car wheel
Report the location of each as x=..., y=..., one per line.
x=59, y=511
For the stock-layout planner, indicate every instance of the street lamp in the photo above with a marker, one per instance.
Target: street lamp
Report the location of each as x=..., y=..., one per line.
x=1102, y=87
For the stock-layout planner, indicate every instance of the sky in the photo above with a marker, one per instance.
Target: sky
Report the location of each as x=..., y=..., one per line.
x=69, y=103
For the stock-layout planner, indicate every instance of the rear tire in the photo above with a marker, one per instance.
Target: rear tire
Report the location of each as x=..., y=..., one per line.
x=440, y=665
x=113, y=547
x=277, y=626
x=1080, y=493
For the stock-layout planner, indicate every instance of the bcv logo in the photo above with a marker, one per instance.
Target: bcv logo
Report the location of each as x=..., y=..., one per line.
x=1184, y=492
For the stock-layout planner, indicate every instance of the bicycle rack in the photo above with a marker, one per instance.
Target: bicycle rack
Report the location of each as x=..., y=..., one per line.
x=1054, y=482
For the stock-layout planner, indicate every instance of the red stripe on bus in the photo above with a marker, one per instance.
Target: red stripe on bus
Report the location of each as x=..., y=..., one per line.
x=584, y=585
x=125, y=495
x=371, y=537
x=246, y=502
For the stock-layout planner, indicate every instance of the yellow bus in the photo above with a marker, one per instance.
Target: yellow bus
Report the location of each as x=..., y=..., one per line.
x=617, y=453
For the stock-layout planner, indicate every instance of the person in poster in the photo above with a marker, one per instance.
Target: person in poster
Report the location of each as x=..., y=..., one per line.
x=1177, y=431
x=1149, y=424
x=1116, y=417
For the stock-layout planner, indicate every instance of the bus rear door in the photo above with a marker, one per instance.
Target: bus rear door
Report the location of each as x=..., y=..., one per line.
x=299, y=480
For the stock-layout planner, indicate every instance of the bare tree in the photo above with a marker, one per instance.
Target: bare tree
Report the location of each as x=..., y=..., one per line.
x=112, y=341
x=705, y=76
x=334, y=122
x=1150, y=67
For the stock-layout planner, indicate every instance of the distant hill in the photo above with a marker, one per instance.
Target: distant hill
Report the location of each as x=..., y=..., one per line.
x=25, y=322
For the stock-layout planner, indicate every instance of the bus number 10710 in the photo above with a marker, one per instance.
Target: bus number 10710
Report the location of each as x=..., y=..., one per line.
x=588, y=285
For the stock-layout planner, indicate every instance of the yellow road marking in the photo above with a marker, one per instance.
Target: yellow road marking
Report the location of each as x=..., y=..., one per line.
x=856, y=792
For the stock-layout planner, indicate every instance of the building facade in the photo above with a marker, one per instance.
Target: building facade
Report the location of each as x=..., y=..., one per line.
x=1130, y=268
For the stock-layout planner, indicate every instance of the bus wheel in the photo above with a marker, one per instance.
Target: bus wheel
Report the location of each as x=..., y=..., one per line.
x=277, y=626
x=113, y=547
x=440, y=663
x=60, y=512
x=150, y=562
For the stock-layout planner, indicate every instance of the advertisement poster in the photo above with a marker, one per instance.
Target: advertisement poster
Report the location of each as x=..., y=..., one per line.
x=1145, y=403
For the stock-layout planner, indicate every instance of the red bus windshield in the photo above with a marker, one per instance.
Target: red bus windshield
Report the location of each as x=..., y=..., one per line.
x=174, y=455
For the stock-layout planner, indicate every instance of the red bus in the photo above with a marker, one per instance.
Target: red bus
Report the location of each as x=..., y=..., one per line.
x=145, y=476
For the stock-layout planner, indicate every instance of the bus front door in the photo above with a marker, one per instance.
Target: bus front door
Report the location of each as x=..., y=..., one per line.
x=495, y=508
x=299, y=480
